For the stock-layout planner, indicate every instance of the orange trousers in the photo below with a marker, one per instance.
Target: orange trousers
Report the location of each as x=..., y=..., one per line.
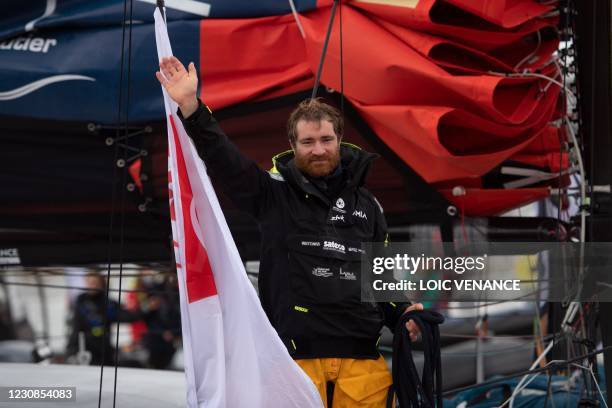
x=357, y=383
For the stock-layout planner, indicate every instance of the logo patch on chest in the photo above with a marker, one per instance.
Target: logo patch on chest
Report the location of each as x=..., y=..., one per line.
x=345, y=275
x=334, y=246
x=321, y=272
x=360, y=213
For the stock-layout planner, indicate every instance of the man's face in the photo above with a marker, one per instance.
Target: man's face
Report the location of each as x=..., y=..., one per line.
x=317, y=148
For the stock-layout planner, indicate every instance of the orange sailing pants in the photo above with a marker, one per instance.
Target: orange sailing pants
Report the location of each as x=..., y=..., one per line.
x=357, y=383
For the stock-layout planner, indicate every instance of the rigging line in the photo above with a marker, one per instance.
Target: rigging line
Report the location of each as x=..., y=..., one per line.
x=490, y=352
x=584, y=180
x=532, y=53
x=296, y=16
x=590, y=369
x=565, y=107
x=341, y=64
x=51, y=274
x=86, y=289
x=574, y=140
x=499, y=337
x=123, y=195
x=521, y=298
x=538, y=335
x=535, y=75
x=560, y=136
x=324, y=51
x=592, y=113
x=517, y=390
x=523, y=382
x=585, y=346
x=113, y=275
x=548, y=390
x=558, y=74
x=582, y=195
x=550, y=366
x=67, y=335
x=487, y=353
x=113, y=199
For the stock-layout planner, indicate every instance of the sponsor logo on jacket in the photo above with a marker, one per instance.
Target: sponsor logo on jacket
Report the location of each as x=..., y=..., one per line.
x=338, y=218
x=339, y=205
x=346, y=275
x=321, y=272
x=311, y=243
x=360, y=214
x=334, y=246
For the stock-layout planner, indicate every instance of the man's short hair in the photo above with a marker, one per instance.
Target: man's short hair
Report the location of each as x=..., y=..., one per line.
x=314, y=110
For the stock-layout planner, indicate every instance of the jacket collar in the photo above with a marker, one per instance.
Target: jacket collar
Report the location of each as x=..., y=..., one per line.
x=355, y=164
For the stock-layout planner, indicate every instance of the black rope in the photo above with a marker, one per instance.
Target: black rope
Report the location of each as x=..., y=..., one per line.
x=594, y=86
x=65, y=274
x=113, y=199
x=412, y=392
x=588, y=324
x=324, y=52
x=86, y=289
x=341, y=65
x=123, y=195
x=548, y=388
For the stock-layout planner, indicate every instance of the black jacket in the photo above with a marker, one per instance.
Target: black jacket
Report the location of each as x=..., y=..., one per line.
x=309, y=276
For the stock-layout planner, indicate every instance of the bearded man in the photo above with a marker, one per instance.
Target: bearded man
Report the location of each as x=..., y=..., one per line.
x=314, y=213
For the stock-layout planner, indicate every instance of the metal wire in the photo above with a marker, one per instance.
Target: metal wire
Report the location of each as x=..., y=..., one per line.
x=324, y=51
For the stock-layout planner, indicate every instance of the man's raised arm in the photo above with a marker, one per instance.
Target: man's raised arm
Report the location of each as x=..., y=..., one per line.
x=238, y=176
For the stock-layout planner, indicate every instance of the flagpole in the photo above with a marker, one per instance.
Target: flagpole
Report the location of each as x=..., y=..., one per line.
x=161, y=6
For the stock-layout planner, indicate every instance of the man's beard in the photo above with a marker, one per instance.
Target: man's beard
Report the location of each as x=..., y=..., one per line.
x=318, y=166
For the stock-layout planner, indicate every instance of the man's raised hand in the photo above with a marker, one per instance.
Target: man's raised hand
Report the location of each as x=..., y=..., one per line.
x=180, y=84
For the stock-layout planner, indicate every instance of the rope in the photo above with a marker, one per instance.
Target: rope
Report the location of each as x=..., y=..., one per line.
x=123, y=196
x=341, y=65
x=550, y=366
x=52, y=286
x=523, y=382
x=530, y=55
x=412, y=392
x=296, y=16
x=56, y=273
x=113, y=199
x=324, y=52
x=535, y=75
x=590, y=370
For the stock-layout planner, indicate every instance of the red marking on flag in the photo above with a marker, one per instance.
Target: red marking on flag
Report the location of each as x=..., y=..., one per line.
x=199, y=276
x=176, y=244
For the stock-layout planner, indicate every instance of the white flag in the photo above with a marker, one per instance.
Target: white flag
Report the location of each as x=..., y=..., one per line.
x=233, y=356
